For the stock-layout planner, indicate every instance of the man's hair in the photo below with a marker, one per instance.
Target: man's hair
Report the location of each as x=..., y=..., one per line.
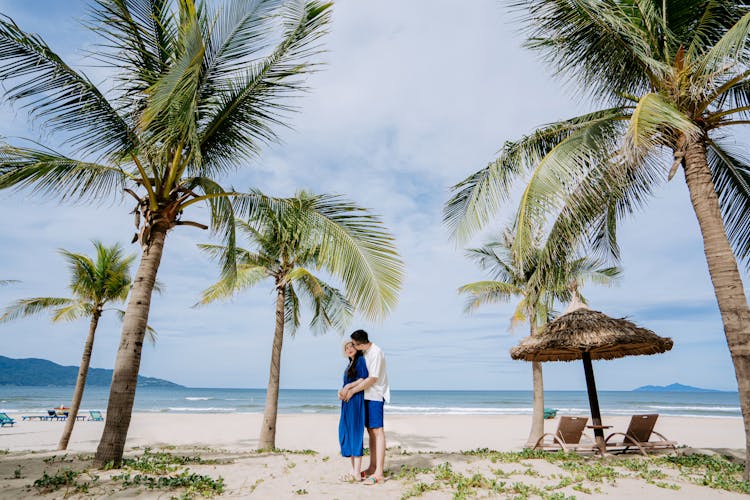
x=360, y=337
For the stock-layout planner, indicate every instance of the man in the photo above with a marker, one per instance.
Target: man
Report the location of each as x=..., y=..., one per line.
x=377, y=393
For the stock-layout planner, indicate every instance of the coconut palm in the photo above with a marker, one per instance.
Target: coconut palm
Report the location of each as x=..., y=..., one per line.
x=197, y=91
x=512, y=277
x=672, y=78
x=290, y=243
x=94, y=283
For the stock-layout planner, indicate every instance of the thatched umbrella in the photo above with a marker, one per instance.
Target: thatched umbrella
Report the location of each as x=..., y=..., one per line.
x=584, y=334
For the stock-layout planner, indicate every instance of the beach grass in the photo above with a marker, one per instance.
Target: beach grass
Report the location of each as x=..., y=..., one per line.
x=187, y=472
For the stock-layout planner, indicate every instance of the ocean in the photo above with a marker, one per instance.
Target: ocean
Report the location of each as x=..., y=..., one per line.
x=24, y=399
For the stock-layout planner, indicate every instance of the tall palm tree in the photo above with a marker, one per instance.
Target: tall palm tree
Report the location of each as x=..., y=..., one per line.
x=290, y=244
x=94, y=283
x=512, y=277
x=198, y=91
x=672, y=80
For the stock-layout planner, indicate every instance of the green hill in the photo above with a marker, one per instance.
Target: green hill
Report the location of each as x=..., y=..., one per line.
x=673, y=388
x=41, y=372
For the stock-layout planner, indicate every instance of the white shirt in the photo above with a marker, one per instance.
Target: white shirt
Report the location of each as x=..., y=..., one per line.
x=375, y=360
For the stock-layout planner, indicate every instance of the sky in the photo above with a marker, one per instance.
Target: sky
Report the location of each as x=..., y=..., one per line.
x=414, y=96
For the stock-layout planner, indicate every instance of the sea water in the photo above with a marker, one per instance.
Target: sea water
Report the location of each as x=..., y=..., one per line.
x=24, y=399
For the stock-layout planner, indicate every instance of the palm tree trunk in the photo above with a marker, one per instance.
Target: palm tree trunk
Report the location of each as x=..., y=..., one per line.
x=725, y=276
x=128, y=362
x=83, y=372
x=537, y=414
x=268, y=429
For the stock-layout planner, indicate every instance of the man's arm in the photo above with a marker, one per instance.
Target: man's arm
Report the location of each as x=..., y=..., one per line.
x=359, y=385
x=348, y=386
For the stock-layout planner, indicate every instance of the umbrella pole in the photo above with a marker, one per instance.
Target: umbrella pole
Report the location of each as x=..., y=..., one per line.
x=596, y=417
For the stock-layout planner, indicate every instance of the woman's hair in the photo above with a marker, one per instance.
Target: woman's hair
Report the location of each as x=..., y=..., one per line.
x=351, y=371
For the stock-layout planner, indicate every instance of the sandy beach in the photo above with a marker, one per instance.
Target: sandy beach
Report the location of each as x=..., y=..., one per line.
x=419, y=447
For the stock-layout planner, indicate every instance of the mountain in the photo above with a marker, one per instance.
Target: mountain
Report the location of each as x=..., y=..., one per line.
x=33, y=371
x=672, y=388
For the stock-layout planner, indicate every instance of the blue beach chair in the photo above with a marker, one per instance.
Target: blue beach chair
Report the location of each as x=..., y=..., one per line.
x=6, y=420
x=95, y=416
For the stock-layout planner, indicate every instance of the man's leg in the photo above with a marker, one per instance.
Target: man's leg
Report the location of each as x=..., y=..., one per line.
x=379, y=453
x=373, y=449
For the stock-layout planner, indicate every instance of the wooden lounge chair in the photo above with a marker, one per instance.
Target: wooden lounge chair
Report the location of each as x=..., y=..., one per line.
x=638, y=436
x=96, y=416
x=567, y=437
x=6, y=420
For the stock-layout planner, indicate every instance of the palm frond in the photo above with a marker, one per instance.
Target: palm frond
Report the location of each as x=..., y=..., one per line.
x=73, y=312
x=477, y=198
x=239, y=32
x=581, y=38
x=54, y=175
x=291, y=310
x=139, y=40
x=62, y=99
x=731, y=48
x=169, y=117
x=29, y=307
x=354, y=246
x=246, y=277
x=730, y=172
x=487, y=292
x=655, y=122
x=251, y=103
x=330, y=307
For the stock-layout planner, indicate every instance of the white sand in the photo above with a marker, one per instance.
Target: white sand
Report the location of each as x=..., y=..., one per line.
x=320, y=432
x=233, y=437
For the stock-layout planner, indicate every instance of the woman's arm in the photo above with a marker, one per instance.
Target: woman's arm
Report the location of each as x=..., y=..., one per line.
x=347, y=387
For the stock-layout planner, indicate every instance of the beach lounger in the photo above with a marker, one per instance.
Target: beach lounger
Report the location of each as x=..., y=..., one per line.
x=6, y=420
x=638, y=436
x=567, y=437
x=32, y=417
x=96, y=416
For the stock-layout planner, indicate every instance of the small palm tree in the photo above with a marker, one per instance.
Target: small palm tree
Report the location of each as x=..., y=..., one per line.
x=197, y=91
x=292, y=241
x=514, y=278
x=94, y=283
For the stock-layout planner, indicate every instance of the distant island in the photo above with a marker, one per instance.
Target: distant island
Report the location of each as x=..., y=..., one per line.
x=41, y=372
x=672, y=388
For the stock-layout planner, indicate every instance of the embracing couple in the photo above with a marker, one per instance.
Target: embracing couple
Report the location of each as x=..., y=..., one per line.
x=363, y=396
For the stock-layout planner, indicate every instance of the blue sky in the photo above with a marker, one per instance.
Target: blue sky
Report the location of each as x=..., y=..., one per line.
x=414, y=97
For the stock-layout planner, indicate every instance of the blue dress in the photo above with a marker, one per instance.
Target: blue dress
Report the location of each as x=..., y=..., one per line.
x=352, y=421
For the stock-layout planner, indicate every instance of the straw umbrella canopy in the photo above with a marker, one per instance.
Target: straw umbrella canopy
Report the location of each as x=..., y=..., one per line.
x=584, y=334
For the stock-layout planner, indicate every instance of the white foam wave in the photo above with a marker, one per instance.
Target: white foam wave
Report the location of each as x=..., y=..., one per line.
x=197, y=399
x=196, y=409
x=695, y=408
x=455, y=410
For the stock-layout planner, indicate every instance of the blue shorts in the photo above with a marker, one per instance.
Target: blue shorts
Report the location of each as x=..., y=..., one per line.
x=373, y=414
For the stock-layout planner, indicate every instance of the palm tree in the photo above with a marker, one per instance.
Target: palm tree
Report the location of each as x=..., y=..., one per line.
x=512, y=277
x=671, y=77
x=94, y=283
x=290, y=243
x=198, y=92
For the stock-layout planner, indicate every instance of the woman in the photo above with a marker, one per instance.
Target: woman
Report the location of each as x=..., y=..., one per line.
x=352, y=422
